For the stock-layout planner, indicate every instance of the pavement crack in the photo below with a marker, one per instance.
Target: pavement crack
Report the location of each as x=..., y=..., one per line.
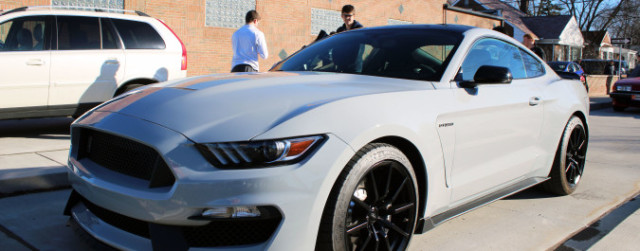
x=46, y=157
x=16, y=237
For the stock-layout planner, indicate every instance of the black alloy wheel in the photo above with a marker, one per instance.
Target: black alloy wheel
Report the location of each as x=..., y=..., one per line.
x=576, y=155
x=382, y=209
x=570, y=158
x=373, y=204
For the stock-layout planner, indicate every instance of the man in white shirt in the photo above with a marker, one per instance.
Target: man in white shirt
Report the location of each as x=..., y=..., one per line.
x=248, y=42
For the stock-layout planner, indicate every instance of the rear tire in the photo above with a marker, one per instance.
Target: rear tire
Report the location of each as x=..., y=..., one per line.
x=373, y=204
x=568, y=165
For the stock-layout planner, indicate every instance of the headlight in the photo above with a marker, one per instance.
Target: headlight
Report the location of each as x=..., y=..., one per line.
x=248, y=154
x=624, y=88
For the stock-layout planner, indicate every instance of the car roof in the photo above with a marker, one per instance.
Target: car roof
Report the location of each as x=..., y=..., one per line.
x=444, y=27
x=75, y=10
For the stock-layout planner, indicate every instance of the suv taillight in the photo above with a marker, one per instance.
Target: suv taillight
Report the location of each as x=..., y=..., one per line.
x=183, y=63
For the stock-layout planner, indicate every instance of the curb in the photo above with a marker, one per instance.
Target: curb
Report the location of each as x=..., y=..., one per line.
x=55, y=179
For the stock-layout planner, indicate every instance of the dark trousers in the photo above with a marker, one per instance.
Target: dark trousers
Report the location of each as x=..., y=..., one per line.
x=243, y=68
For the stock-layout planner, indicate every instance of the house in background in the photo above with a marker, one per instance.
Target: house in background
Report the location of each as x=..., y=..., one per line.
x=513, y=24
x=559, y=36
x=599, y=46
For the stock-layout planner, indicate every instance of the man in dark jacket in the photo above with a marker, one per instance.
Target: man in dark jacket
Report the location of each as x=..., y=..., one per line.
x=530, y=43
x=349, y=18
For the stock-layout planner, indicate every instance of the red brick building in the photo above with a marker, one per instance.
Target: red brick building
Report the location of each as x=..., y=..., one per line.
x=287, y=24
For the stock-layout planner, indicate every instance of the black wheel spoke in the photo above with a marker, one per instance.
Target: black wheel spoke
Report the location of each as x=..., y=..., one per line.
x=386, y=243
x=374, y=186
x=375, y=235
x=360, y=203
x=366, y=242
x=394, y=227
x=356, y=228
x=386, y=190
x=400, y=188
x=581, y=144
x=401, y=208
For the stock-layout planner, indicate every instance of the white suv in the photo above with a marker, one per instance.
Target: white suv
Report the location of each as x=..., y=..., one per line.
x=60, y=61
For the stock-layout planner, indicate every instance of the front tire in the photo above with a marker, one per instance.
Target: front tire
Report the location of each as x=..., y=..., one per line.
x=568, y=165
x=373, y=204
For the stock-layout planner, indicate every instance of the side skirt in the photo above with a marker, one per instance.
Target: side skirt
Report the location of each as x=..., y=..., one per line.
x=426, y=224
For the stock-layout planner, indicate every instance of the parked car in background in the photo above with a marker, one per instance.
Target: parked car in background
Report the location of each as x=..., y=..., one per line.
x=626, y=93
x=597, y=66
x=61, y=61
x=356, y=142
x=571, y=67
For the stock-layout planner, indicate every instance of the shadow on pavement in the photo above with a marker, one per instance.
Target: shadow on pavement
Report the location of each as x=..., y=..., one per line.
x=629, y=112
x=534, y=192
x=42, y=128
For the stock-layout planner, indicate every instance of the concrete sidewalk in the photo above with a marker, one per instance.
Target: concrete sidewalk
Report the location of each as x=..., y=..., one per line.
x=23, y=172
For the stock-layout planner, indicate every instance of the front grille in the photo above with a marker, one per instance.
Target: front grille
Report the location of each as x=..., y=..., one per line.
x=124, y=156
x=218, y=233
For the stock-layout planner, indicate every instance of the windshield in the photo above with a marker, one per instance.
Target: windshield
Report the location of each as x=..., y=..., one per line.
x=409, y=53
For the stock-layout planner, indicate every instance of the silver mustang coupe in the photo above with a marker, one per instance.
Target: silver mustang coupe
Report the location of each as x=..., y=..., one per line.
x=357, y=142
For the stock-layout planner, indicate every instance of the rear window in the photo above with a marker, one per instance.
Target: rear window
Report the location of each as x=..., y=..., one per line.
x=138, y=35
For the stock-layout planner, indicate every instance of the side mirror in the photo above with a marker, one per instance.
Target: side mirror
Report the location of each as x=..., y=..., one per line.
x=487, y=74
x=568, y=75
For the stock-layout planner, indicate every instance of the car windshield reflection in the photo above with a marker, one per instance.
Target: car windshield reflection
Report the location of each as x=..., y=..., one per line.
x=404, y=53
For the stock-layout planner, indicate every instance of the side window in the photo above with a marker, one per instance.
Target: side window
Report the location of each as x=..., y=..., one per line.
x=512, y=59
x=78, y=33
x=24, y=34
x=138, y=35
x=493, y=52
x=109, y=38
x=533, y=67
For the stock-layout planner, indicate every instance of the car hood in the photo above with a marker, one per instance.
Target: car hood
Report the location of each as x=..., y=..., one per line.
x=629, y=81
x=232, y=107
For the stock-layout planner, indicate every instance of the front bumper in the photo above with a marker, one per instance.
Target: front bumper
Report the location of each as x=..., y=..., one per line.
x=297, y=193
x=625, y=99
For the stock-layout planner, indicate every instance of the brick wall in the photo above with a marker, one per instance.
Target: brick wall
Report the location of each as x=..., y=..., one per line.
x=286, y=24
x=12, y=4
x=601, y=85
x=455, y=17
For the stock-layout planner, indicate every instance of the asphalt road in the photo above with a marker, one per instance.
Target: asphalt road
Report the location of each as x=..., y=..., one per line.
x=598, y=216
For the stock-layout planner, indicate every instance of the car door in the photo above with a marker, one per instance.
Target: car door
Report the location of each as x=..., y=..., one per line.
x=496, y=125
x=25, y=62
x=88, y=64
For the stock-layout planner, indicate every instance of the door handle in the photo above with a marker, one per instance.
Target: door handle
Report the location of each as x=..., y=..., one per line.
x=35, y=62
x=533, y=101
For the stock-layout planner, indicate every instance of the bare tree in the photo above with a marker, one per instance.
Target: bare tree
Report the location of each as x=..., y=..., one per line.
x=591, y=12
x=626, y=24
